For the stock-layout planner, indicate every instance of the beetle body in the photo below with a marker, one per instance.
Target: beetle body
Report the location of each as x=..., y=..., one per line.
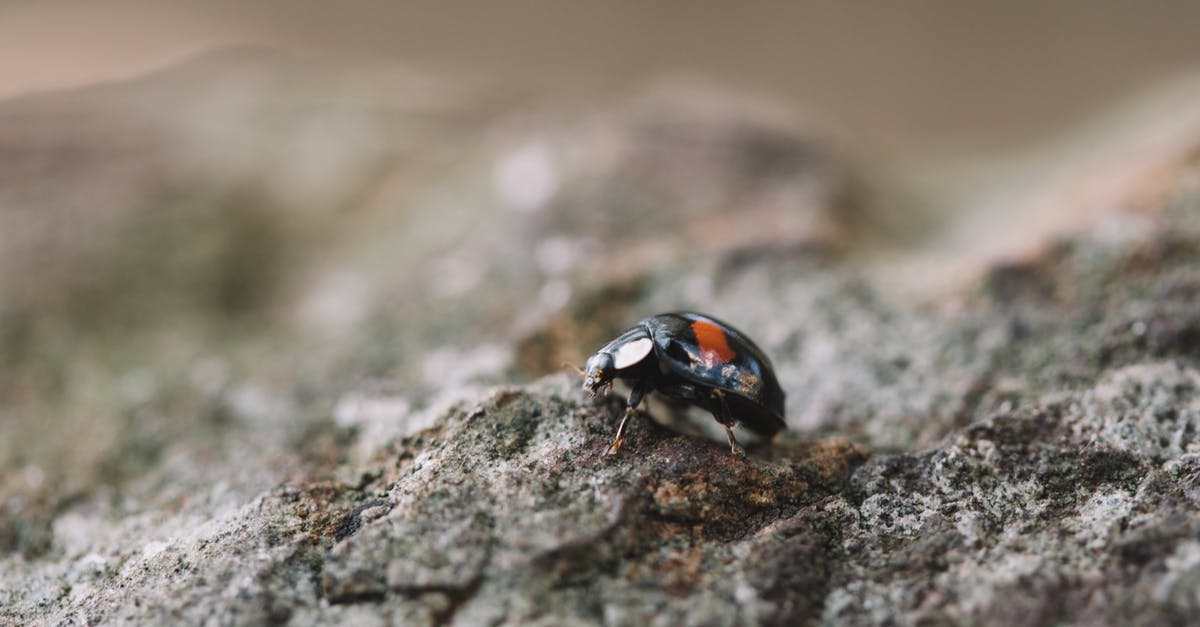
x=697, y=359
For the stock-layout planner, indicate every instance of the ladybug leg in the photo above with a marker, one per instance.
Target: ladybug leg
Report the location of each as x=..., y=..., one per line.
x=725, y=417
x=635, y=399
x=734, y=447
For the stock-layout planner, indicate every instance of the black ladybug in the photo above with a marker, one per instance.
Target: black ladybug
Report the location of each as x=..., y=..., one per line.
x=694, y=358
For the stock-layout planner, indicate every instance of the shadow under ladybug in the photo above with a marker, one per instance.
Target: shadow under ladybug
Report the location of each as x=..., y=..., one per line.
x=696, y=359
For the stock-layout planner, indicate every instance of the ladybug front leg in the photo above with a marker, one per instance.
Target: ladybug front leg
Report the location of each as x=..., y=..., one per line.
x=722, y=414
x=635, y=398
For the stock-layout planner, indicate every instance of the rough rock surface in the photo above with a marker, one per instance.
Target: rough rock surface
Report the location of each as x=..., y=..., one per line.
x=1024, y=451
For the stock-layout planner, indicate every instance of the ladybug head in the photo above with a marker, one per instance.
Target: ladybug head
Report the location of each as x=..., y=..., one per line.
x=598, y=373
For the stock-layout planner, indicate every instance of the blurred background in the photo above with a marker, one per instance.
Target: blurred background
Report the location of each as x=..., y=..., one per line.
x=931, y=81
x=245, y=243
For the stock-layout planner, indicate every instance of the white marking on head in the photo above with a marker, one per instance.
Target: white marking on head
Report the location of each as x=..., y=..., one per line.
x=631, y=353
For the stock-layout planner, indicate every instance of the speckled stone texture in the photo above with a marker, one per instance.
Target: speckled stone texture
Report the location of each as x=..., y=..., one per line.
x=1021, y=446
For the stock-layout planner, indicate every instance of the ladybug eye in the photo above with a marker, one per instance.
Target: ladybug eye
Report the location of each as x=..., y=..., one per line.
x=631, y=353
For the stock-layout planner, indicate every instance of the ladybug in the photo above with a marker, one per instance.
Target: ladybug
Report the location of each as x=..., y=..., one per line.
x=693, y=358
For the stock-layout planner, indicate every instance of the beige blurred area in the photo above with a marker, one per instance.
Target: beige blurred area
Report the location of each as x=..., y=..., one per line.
x=903, y=83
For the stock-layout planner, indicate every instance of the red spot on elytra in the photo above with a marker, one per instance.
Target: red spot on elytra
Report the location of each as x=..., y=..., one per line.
x=714, y=346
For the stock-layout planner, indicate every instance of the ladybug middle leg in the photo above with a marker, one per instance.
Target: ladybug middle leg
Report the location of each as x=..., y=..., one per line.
x=635, y=398
x=721, y=413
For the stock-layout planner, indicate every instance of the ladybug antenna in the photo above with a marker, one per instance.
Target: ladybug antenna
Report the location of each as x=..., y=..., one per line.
x=568, y=365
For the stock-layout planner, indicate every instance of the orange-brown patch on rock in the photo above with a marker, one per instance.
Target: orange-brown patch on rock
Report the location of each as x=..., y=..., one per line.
x=719, y=494
x=835, y=455
x=320, y=505
x=679, y=572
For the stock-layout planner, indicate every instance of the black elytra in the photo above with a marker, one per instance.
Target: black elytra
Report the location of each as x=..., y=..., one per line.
x=697, y=359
